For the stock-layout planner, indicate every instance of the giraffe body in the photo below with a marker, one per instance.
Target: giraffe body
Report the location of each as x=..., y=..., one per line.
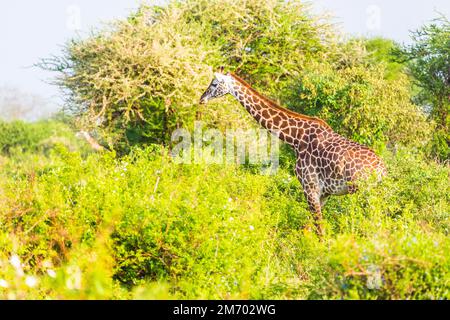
x=327, y=163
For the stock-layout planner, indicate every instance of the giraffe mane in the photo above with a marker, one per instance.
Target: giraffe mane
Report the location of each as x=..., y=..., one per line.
x=277, y=106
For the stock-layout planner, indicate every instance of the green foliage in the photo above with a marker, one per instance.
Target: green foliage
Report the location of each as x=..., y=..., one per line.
x=144, y=76
x=356, y=100
x=391, y=242
x=16, y=134
x=428, y=61
x=382, y=50
x=19, y=136
x=142, y=226
x=82, y=225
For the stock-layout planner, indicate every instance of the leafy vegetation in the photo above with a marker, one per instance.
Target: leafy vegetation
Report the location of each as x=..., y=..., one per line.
x=134, y=223
x=428, y=60
x=142, y=226
x=361, y=104
x=143, y=76
x=40, y=136
x=382, y=50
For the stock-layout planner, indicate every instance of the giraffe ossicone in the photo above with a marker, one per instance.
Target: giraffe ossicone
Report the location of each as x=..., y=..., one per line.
x=327, y=163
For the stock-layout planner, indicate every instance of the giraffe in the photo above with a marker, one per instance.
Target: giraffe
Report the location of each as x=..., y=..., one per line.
x=327, y=163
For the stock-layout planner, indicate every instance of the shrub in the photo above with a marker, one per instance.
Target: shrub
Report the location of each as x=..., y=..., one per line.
x=428, y=61
x=143, y=226
x=358, y=102
x=19, y=136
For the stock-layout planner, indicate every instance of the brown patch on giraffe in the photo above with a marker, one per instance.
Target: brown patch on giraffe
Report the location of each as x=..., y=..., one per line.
x=276, y=120
x=265, y=114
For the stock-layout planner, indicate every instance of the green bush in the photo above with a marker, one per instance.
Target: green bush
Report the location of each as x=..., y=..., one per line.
x=428, y=62
x=392, y=238
x=381, y=50
x=359, y=103
x=142, y=77
x=19, y=136
x=145, y=227
x=81, y=225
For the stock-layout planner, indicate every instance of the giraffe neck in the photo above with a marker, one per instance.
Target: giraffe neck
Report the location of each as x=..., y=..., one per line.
x=289, y=126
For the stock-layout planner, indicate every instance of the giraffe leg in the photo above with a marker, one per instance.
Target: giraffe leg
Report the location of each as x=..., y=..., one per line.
x=311, y=190
x=313, y=198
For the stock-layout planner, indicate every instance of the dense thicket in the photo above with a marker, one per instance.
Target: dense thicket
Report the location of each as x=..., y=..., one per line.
x=142, y=226
x=41, y=136
x=143, y=76
x=428, y=62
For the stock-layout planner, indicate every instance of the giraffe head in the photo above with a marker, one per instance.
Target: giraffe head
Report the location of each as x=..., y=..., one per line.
x=219, y=86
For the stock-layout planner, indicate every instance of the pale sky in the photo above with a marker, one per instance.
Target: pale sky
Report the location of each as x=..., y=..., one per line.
x=30, y=30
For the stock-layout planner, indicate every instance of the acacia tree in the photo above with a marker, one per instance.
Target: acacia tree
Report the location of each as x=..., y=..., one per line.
x=142, y=77
x=428, y=61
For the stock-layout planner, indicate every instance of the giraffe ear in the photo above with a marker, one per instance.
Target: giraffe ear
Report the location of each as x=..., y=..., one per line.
x=220, y=69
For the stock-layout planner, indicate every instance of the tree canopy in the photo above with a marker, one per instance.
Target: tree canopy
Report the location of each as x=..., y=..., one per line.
x=428, y=61
x=142, y=77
